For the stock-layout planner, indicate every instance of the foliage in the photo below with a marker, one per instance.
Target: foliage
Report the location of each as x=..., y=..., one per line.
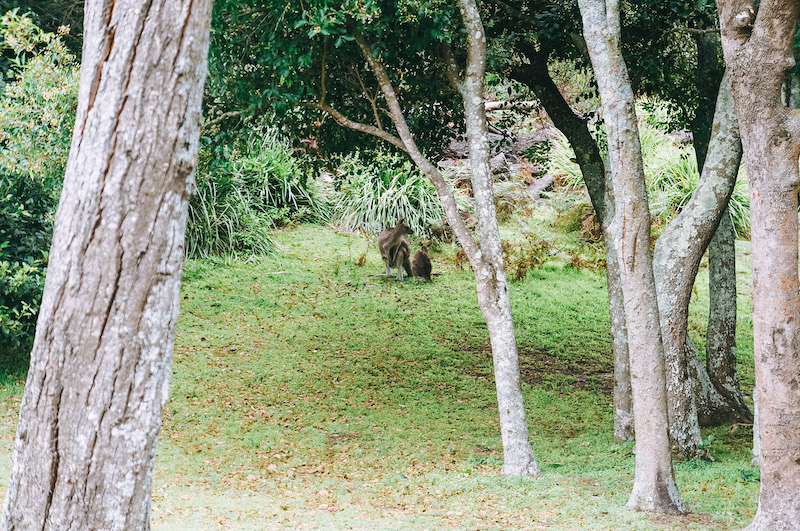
x=373, y=195
x=37, y=109
x=288, y=56
x=239, y=200
x=26, y=210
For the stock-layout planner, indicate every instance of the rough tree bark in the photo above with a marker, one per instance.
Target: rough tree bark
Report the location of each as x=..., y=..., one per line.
x=676, y=260
x=485, y=257
x=758, y=50
x=101, y=359
x=654, y=486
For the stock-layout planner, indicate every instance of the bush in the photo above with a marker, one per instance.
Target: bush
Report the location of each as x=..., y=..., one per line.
x=37, y=109
x=239, y=200
x=371, y=196
x=37, y=113
x=26, y=224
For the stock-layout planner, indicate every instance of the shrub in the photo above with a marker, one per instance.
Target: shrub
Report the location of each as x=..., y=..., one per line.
x=670, y=170
x=239, y=200
x=37, y=113
x=37, y=109
x=371, y=196
x=26, y=212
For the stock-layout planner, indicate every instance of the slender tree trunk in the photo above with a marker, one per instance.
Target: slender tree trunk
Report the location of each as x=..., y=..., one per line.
x=759, y=51
x=493, y=293
x=654, y=486
x=101, y=359
x=678, y=253
x=486, y=258
x=721, y=335
x=598, y=183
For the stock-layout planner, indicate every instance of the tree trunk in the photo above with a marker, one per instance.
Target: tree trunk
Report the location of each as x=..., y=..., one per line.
x=493, y=294
x=486, y=259
x=101, y=359
x=654, y=486
x=721, y=335
x=677, y=257
x=536, y=76
x=759, y=51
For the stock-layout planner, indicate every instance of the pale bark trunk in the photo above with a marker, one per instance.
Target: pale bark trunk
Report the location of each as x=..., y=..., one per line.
x=677, y=257
x=759, y=51
x=486, y=258
x=721, y=335
x=654, y=486
x=624, y=429
x=100, y=364
x=493, y=293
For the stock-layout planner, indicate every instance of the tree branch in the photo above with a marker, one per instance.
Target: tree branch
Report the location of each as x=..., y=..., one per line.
x=344, y=121
x=221, y=118
x=451, y=66
x=432, y=172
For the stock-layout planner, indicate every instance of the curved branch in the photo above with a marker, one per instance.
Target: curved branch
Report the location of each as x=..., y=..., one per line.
x=221, y=118
x=344, y=121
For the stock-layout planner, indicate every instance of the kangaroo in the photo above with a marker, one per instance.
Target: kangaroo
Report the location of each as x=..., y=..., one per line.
x=395, y=249
x=421, y=264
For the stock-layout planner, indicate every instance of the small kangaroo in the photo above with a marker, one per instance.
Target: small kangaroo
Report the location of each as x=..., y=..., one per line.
x=395, y=249
x=421, y=264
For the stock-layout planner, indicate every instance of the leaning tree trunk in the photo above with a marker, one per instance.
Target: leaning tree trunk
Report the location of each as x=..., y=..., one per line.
x=654, y=486
x=719, y=400
x=677, y=257
x=101, y=359
x=759, y=52
x=486, y=259
x=536, y=76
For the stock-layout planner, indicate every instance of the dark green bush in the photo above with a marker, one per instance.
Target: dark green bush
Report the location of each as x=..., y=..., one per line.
x=26, y=225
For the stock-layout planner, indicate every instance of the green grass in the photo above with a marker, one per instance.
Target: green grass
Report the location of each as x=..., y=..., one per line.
x=308, y=393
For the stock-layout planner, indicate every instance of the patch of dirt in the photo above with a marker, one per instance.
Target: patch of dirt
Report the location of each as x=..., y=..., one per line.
x=538, y=366
x=684, y=519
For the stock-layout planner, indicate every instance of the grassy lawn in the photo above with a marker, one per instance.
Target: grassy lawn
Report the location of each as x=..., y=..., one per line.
x=308, y=394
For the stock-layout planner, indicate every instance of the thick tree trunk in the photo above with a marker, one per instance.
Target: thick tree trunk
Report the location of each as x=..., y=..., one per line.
x=677, y=257
x=654, y=486
x=486, y=258
x=536, y=76
x=100, y=364
x=759, y=51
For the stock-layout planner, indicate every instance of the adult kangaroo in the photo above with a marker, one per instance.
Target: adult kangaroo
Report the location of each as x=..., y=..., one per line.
x=421, y=264
x=395, y=249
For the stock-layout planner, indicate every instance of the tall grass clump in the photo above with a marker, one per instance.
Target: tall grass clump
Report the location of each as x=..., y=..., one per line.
x=372, y=195
x=239, y=200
